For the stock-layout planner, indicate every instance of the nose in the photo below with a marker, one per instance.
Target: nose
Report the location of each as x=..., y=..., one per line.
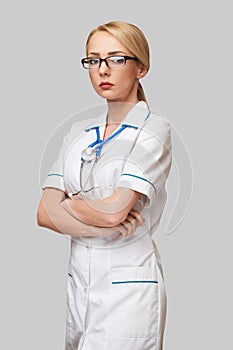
x=103, y=69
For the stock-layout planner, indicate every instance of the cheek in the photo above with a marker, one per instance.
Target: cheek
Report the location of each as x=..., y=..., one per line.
x=93, y=78
x=127, y=79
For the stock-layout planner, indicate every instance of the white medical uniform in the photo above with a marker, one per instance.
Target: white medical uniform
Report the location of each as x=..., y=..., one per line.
x=116, y=297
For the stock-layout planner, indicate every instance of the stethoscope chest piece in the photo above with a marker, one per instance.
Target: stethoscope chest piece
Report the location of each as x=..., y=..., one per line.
x=89, y=154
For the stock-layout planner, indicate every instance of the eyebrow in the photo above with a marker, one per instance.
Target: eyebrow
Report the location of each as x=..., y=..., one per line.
x=109, y=53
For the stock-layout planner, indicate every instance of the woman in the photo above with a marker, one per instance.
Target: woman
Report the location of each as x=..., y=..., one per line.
x=116, y=298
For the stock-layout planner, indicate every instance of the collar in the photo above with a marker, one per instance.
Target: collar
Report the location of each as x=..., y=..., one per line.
x=135, y=118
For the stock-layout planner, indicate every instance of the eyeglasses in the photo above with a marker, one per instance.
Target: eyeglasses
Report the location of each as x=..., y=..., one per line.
x=110, y=61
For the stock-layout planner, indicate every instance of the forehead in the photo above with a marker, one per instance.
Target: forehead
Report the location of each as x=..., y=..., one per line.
x=105, y=43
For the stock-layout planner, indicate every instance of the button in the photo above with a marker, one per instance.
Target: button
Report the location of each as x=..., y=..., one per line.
x=85, y=290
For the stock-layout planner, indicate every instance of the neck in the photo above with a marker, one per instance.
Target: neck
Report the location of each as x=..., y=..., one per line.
x=117, y=111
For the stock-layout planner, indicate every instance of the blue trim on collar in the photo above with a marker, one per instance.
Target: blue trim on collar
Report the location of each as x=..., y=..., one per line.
x=130, y=126
x=92, y=128
x=147, y=116
x=124, y=124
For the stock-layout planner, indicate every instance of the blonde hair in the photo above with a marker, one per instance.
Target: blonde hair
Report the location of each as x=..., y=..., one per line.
x=132, y=38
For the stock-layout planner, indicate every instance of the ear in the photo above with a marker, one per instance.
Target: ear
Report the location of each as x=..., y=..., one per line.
x=141, y=71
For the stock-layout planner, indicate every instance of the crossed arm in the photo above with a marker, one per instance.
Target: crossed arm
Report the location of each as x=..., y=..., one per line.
x=100, y=218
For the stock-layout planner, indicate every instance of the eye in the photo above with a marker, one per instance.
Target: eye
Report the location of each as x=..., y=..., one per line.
x=93, y=61
x=117, y=60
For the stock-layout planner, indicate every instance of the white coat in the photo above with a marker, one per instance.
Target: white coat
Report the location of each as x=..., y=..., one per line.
x=116, y=297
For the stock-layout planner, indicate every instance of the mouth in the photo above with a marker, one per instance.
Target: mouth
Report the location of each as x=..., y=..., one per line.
x=105, y=85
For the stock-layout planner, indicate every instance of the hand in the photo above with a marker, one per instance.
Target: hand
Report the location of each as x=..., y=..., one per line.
x=125, y=228
x=128, y=226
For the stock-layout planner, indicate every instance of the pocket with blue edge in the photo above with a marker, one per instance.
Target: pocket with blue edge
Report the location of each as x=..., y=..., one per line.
x=133, y=303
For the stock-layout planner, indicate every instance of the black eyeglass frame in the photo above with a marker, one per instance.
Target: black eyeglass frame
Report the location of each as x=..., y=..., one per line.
x=126, y=58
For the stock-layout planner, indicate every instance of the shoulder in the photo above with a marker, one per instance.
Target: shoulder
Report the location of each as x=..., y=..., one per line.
x=157, y=126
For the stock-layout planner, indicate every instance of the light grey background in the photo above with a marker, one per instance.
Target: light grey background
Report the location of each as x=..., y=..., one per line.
x=190, y=83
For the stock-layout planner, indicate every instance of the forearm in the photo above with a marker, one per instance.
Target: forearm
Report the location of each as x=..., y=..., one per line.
x=84, y=212
x=106, y=212
x=61, y=221
x=52, y=216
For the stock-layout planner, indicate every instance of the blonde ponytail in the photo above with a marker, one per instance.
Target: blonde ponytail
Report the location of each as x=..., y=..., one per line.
x=140, y=93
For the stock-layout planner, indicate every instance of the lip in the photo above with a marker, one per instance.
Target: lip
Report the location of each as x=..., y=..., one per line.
x=105, y=85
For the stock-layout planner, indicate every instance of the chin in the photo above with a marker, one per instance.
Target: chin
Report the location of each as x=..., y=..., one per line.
x=108, y=95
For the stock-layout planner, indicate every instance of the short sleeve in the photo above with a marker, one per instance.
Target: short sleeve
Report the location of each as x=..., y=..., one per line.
x=148, y=165
x=55, y=175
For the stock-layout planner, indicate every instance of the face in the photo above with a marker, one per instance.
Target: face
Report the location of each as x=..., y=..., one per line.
x=123, y=81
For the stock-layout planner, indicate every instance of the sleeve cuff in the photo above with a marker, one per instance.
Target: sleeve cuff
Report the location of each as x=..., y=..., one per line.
x=139, y=184
x=54, y=180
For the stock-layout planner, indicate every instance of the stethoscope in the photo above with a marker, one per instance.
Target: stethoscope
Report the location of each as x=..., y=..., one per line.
x=93, y=151
x=91, y=154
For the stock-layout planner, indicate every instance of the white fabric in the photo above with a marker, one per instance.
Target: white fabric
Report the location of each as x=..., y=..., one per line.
x=129, y=314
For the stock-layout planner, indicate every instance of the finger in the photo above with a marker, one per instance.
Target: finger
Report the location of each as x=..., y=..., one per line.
x=138, y=216
x=122, y=229
x=133, y=223
x=129, y=226
x=126, y=228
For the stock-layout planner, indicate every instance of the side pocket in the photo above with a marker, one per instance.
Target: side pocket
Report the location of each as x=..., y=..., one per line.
x=133, y=302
